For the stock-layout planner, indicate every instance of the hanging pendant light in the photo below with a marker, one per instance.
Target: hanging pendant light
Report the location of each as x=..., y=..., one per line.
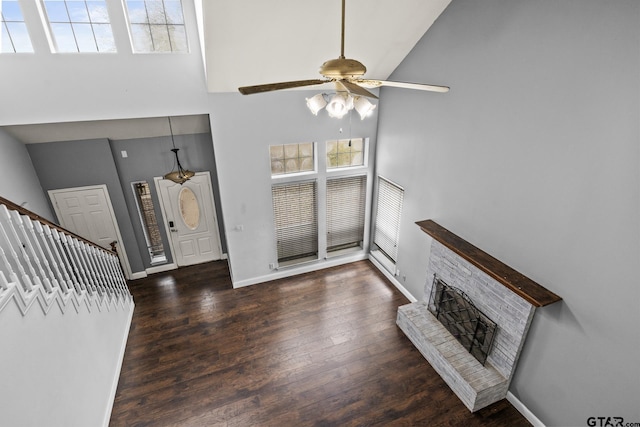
x=181, y=175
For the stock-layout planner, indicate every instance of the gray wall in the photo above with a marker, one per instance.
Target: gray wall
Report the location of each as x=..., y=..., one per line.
x=151, y=157
x=82, y=163
x=534, y=157
x=242, y=128
x=20, y=183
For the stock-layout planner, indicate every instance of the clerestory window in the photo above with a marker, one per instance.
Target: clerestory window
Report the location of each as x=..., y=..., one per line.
x=157, y=26
x=80, y=25
x=14, y=36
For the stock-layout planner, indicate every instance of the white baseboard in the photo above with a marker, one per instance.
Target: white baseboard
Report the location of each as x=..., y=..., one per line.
x=138, y=275
x=161, y=268
x=392, y=279
x=306, y=268
x=524, y=410
x=116, y=378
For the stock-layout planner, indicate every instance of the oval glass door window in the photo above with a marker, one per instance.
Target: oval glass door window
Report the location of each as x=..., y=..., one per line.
x=189, y=208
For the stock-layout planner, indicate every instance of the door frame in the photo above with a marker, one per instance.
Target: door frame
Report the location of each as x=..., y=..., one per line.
x=122, y=253
x=157, y=180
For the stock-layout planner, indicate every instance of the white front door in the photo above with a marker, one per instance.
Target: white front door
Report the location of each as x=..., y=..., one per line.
x=87, y=212
x=190, y=219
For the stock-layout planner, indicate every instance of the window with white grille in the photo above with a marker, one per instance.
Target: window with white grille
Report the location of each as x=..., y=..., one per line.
x=345, y=153
x=292, y=158
x=157, y=26
x=80, y=25
x=14, y=37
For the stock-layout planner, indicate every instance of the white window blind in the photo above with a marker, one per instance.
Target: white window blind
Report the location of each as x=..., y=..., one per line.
x=389, y=209
x=346, y=197
x=296, y=219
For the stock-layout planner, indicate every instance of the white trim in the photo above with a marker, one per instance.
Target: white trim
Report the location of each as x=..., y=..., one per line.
x=116, y=378
x=392, y=279
x=307, y=268
x=524, y=410
x=122, y=253
x=161, y=268
x=138, y=275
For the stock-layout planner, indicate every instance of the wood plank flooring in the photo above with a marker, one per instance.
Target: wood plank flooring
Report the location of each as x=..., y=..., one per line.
x=319, y=349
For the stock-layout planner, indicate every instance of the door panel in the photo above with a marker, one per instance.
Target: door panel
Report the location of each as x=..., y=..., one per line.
x=87, y=212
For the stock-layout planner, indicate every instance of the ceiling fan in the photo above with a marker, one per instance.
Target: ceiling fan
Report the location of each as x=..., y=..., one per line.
x=347, y=75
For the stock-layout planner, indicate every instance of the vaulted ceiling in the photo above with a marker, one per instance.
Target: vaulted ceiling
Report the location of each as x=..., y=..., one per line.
x=248, y=42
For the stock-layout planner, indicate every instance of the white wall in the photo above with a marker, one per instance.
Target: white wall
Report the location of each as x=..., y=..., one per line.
x=534, y=157
x=60, y=370
x=20, y=183
x=47, y=87
x=243, y=127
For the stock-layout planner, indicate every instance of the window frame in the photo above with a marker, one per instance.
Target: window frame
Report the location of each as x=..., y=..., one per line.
x=365, y=156
x=153, y=259
x=52, y=35
x=389, y=261
x=165, y=25
x=321, y=174
x=11, y=36
x=296, y=175
x=346, y=247
x=301, y=257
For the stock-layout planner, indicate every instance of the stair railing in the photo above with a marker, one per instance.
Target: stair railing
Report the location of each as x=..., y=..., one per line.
x=41, y=261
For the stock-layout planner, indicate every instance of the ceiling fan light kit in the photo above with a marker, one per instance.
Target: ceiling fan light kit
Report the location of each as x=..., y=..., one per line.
x=316, y=103
x=340, y=104
x=352, y=91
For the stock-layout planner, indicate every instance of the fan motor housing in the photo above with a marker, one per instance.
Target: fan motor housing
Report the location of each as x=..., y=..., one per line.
x=342, y=68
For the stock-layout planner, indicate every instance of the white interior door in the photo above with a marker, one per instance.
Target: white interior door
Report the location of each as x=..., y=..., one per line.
x=87, y=212
x=190, y=219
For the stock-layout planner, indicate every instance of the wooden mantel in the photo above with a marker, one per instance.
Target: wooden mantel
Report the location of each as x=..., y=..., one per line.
x=518, y=283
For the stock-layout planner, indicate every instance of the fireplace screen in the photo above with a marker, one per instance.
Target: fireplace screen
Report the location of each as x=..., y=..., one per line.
x=458, y=314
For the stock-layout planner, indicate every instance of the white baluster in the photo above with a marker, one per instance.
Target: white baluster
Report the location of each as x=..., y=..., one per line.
x=82, y=280
x=122, y=281
x=4, y=285
x=60, y=263
x=11, y=237
x=26, y=243
x=98, y=280
x=91, y=287
x=7, y=265
x=99, y=256
x=67, y=258
x=35, y=228
x=113, y=267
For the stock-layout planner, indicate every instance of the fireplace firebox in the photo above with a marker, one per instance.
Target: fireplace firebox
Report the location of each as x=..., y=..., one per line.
x=455, y=310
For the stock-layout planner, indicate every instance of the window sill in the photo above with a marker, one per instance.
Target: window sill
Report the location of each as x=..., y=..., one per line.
x=389, y=265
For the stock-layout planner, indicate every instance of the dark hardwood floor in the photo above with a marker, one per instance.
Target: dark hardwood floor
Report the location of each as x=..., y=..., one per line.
x=320, y=349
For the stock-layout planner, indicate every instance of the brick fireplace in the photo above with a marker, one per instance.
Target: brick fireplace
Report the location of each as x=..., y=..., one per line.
x=504, y=295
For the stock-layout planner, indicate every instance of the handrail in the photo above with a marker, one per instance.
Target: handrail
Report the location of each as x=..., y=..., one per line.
x=24, y=211
x=41, y=261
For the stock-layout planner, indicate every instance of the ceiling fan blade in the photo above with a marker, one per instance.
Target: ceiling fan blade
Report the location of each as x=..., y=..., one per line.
x=355, y=89
x=417, y=86
x=249, y=90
